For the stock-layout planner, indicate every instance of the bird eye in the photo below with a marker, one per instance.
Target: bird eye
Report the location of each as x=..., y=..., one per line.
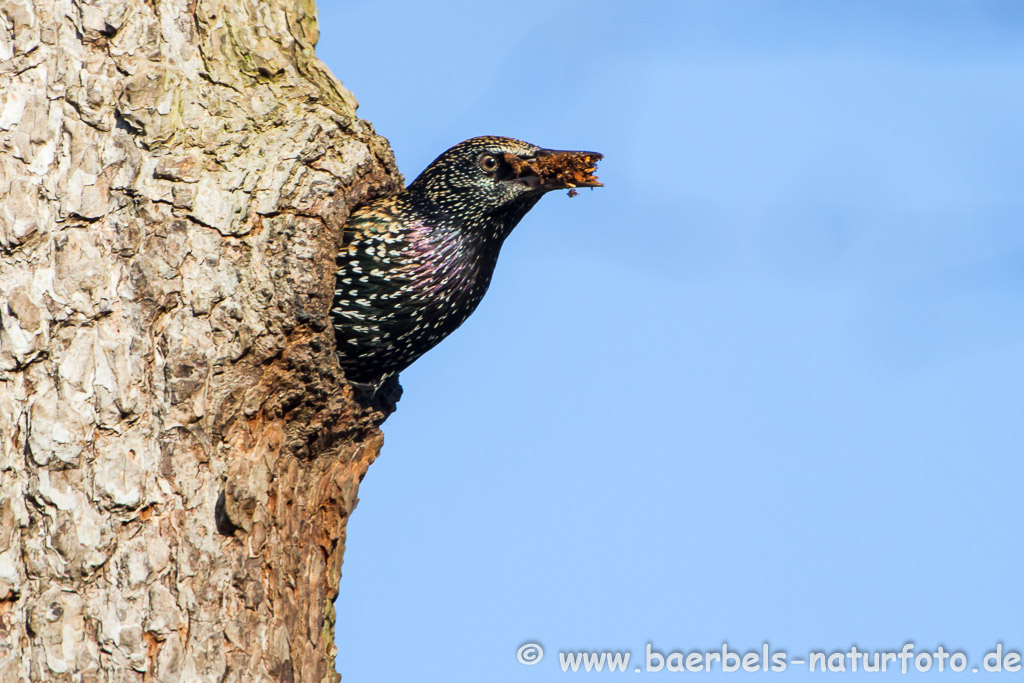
x=489, y=163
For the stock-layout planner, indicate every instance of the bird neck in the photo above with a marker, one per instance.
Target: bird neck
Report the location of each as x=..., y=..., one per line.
x=457, y=250
x=471, y=222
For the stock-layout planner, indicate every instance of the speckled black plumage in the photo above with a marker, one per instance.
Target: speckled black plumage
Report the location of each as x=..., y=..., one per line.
x=414, y=266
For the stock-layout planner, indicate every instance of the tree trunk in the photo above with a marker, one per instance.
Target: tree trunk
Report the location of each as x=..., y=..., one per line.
x=179, y=451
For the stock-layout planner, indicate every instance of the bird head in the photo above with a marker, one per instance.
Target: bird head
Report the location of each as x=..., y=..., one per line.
x=500, y=178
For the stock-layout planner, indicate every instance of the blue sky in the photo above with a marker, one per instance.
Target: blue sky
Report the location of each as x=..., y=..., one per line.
x=766, y=385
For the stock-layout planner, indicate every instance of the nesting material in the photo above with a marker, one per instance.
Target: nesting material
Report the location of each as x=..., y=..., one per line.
x=559, y=169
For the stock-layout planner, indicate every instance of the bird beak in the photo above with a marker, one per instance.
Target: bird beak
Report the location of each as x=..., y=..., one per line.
x=553, y=169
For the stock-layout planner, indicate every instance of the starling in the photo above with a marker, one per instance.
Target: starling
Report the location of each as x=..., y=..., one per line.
x=414, y=266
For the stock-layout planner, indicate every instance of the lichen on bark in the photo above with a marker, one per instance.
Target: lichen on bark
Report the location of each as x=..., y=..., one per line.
x=179, y=451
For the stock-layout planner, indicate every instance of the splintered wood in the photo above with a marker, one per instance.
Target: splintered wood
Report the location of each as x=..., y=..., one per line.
x=559, y=169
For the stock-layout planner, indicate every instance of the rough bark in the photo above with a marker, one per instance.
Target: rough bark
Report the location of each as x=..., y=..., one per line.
x=179, y=450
